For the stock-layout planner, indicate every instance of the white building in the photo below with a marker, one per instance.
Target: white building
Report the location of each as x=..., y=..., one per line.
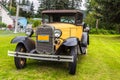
x=5, y=16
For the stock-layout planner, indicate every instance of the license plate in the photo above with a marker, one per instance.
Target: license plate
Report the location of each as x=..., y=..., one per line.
x=43, y=38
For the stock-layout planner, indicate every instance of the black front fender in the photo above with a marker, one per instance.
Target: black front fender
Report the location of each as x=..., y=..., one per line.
x=70, y=42
x=26, y=41
x=18, y=39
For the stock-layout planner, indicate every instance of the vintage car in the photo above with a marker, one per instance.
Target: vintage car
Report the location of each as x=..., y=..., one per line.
x=61, y=37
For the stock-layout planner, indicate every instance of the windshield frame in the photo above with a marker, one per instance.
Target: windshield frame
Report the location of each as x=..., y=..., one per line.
x=56, y=16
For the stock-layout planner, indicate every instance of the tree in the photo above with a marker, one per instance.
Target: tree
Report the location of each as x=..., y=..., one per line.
x=23, y=12
x=12, y=6
x=32, y=10
x=4, y=2
x=13, y=3
x=106, y=12
x=110, y=10
x=23, y=2
x=57, y=4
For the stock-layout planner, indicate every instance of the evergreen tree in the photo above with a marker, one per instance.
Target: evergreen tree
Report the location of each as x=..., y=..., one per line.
x=12, y=7
x=107, y=12
x=13, y=3
x=23, y=2
x=27, y=2
x=59, y=4
x=25, y=13
x=4, y=2
x=32, y=10
x=109, y=9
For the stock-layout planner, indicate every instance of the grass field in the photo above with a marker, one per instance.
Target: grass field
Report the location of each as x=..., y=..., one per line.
x=101, y=63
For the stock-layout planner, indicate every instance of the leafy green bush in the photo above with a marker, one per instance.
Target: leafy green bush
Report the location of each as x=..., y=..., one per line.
x=102, y=31
x=2, y=24
x=13, y=11
x=34, y=23
x=112, y=32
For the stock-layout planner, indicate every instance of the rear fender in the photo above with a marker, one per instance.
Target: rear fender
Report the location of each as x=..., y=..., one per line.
x=26, y=41
x=84, y=40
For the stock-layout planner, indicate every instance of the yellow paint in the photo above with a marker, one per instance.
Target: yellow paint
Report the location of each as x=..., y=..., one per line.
x=58, y=45
x=43, y=37
x=68, y=30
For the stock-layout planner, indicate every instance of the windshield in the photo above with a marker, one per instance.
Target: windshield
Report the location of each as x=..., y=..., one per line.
x=58, y=18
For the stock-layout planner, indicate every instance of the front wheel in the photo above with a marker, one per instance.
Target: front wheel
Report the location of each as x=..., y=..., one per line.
x=20, y=62
x=72, y=65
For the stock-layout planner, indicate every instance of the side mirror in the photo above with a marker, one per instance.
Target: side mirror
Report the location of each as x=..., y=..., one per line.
x=29, y=32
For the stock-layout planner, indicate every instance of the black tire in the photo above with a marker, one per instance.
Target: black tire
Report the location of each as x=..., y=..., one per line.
x=84, y=49
x=84, y=42
x=20, y=62
x=88, y=41
x=72, y=65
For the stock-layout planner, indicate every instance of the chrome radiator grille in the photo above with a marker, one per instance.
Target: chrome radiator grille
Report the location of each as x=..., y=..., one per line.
x=45, y=40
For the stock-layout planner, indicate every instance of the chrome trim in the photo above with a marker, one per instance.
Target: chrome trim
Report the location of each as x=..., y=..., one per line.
x=59, y=58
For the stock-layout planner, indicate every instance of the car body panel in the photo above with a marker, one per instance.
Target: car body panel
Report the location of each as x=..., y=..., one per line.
x=68, y=30
x=27, y=42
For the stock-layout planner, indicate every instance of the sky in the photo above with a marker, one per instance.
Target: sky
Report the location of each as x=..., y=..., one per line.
x=83, y=8
x=36, y=3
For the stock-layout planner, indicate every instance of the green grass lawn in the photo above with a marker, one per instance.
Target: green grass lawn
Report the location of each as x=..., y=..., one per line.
x=101, y=63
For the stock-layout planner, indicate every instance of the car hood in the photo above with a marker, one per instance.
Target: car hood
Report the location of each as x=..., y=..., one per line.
x=62, y=25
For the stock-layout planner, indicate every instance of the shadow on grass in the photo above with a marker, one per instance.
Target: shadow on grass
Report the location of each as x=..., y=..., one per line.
x=81, y=57
x=50, y=64
x=61, y=66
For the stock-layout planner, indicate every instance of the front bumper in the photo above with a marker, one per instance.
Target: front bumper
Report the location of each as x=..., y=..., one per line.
x=59, y=58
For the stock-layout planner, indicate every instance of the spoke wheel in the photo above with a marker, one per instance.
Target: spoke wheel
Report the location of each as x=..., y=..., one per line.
x=20, y=62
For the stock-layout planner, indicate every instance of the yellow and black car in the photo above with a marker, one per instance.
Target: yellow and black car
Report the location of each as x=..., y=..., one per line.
x=61, y=37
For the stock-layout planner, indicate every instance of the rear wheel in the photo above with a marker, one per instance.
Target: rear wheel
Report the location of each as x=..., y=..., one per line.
x=88, y=41
x=84, y=50
x=20, y=62
x=72, y=65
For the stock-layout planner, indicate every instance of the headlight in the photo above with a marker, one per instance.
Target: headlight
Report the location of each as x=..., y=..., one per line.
x=57, y=33
x=29, y=32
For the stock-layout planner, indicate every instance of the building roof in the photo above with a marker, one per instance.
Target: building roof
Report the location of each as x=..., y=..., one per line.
x=4, y=8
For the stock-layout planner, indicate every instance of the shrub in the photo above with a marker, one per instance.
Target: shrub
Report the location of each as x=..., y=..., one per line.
x=93, y=31
x=34, y=23
x=112, y=32
x=2, y=24
x=102, y=31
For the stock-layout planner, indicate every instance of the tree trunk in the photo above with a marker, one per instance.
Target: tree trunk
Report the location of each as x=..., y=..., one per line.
x=97, y=22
